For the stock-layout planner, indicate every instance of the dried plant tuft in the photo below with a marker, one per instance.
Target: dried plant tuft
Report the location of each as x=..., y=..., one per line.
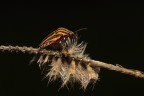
x=67, y=68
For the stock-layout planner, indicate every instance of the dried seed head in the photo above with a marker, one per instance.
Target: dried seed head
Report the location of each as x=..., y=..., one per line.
x=69, y=68
x=55, y=70
x=40, y=60
x=46, y=59
x=72, y=68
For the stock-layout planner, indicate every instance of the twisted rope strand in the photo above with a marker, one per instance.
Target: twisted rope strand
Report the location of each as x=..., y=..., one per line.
x=31, y=50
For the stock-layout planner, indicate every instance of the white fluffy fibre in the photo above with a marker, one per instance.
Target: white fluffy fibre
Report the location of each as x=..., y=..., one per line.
x=68, y=68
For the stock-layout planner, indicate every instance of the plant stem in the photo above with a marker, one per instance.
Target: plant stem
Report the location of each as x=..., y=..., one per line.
x=31, y=50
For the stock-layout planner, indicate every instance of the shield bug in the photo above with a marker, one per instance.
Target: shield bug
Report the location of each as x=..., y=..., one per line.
x=58, y=37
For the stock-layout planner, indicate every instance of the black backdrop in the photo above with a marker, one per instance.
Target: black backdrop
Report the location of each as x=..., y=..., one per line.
x=114, y=35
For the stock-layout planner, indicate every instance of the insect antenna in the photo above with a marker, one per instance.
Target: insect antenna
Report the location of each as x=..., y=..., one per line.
x=76, y=32
x=80, y=29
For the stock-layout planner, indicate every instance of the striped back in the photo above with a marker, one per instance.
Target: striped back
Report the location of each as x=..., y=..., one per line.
x=55, y=37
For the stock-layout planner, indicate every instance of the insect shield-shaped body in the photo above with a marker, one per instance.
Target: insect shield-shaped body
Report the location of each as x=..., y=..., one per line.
x=57, y=39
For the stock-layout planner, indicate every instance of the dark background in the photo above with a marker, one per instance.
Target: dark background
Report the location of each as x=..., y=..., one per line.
x=114, y=35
